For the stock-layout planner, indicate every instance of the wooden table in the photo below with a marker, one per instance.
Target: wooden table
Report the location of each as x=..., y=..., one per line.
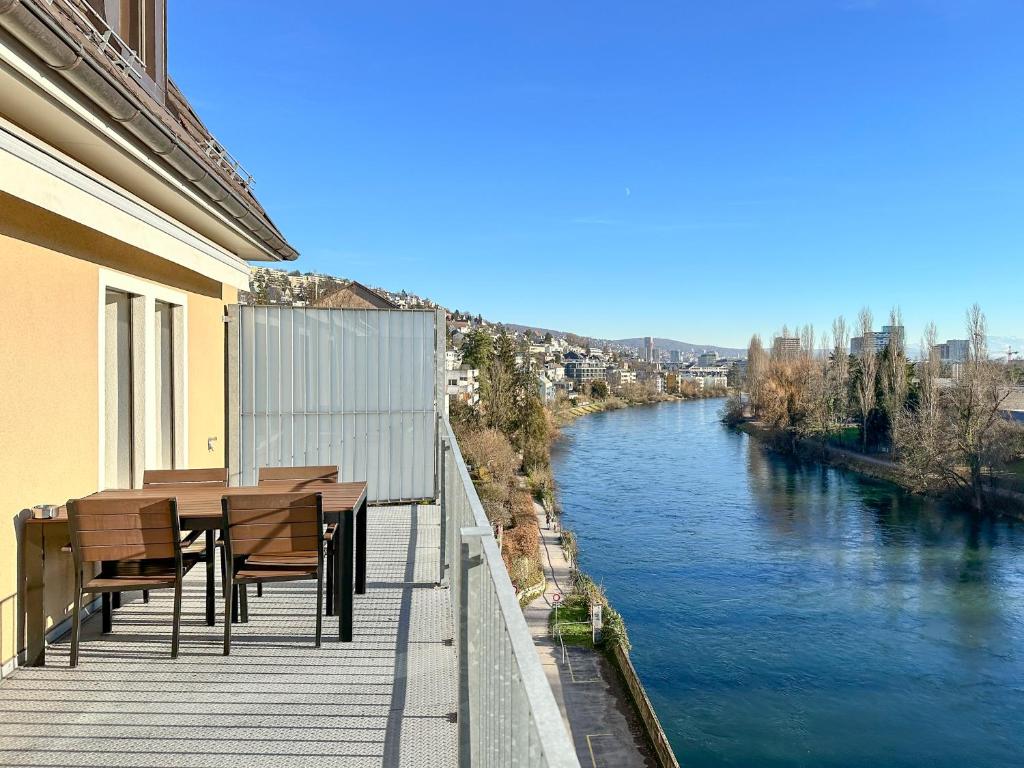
x=200, y=510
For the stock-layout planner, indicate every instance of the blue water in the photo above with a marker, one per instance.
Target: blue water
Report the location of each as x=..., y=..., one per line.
x=785, y=614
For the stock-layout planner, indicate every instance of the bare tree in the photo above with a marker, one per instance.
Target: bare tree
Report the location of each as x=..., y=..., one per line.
x=867, y=374
x=757, y=363
x=928, y=370
x=895, y=383
x=840, y=369
x=958, y=432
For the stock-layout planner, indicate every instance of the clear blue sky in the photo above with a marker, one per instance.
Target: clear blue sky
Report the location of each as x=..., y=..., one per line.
x=694, y=170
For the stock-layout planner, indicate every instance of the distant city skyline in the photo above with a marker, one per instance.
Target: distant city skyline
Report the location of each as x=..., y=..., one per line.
x=700, y=172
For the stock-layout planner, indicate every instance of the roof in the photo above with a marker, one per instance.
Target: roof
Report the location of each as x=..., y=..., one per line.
x=355, y=296
x=67, y=30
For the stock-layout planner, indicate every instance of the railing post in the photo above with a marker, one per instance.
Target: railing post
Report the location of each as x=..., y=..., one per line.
x=470, y=630
x=442, y=576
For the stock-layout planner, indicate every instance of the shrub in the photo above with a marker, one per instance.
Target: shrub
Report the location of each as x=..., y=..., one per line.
x=734, y=410
x=490, y=453
x=522, y=540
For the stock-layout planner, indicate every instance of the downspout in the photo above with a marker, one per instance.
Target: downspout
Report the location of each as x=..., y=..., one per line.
x=34, y=29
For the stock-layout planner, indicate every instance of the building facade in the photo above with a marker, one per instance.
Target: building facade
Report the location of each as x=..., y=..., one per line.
x=783, y=346
x=126, y=229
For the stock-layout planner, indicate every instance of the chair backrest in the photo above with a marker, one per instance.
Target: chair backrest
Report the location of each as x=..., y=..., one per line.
x=295, y=477
x=124, y=529
x=272, y=523
x=189, y=478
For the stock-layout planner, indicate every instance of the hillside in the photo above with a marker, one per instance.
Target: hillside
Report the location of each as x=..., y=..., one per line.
x=669, y=345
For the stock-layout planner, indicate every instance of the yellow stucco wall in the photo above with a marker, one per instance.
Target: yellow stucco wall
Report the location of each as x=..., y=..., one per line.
x=49, y=399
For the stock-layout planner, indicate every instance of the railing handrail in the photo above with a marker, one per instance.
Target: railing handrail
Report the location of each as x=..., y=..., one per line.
x=556, y=745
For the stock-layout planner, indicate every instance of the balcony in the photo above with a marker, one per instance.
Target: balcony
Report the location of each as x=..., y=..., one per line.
x=441, y=670
x=387, y=698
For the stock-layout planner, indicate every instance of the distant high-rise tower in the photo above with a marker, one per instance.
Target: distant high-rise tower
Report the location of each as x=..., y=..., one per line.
x=649, y=349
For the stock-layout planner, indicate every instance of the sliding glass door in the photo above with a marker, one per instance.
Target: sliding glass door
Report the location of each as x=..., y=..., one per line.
x=118, y=381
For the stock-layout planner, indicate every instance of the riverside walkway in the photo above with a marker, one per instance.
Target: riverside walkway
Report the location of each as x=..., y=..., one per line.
x=592, y=699
x=386, y=699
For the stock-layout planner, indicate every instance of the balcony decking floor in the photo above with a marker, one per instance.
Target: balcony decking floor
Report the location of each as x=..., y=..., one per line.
x=385, y=699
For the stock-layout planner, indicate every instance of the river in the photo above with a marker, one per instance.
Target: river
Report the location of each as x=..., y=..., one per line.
x=786, y=614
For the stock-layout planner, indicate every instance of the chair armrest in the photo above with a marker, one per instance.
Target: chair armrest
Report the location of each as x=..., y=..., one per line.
x=191, y=539
x=329, y=533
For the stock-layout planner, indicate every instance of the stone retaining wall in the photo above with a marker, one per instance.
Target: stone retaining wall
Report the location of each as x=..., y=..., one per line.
x=652, y=726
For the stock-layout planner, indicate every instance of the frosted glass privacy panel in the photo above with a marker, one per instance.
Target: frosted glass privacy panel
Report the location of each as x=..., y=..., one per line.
x=357, y=388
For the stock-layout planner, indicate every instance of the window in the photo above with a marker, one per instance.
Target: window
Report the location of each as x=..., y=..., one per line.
x=143, y=374
x=118, y=380
x=164, y=382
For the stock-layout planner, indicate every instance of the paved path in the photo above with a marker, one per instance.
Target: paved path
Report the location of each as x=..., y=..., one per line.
x=589, y=693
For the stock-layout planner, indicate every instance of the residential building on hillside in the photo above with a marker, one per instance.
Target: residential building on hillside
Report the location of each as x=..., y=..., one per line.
x=140, y=225
x=546, y=389
x=653, y=379
x=584, y=369
x=554, y=372
x=464, y=385
x=355, y=296
x=620, y=377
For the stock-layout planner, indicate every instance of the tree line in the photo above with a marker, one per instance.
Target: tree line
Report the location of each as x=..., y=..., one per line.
x=945, y=428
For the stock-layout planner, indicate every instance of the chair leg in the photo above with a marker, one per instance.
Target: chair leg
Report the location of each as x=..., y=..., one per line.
x=319, y=602
x=145, y=595
x=259, y=589
x=229, y=609
x=234, y=603
x=108, y=613
x=243, y=603
x=76, y=626
x=115, y=600
x=176, y=626
x=223, y=573
x=330, y=580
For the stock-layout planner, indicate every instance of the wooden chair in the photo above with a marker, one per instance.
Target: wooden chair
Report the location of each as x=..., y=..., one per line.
x=184, y=478
x=289, y=477
x=273, y=537
x=143, y=535
x=171, y=480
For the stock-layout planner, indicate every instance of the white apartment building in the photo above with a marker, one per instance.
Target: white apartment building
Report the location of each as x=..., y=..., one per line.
x=463, y=384
x=554, y=372
x=620, y=377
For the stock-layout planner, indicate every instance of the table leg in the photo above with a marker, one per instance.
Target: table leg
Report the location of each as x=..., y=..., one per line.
x=211, y=617
x=361, y=549
x=343, y=581
x=108, y=612
x=35, y=614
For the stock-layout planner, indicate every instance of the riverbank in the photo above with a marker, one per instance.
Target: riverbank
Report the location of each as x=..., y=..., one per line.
x=592, y=699
x=1005, y=501
x=578, y=593
x=567, y=414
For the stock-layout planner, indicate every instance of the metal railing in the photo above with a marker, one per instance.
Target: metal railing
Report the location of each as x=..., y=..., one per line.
x=109, y=42
x=507, y=712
